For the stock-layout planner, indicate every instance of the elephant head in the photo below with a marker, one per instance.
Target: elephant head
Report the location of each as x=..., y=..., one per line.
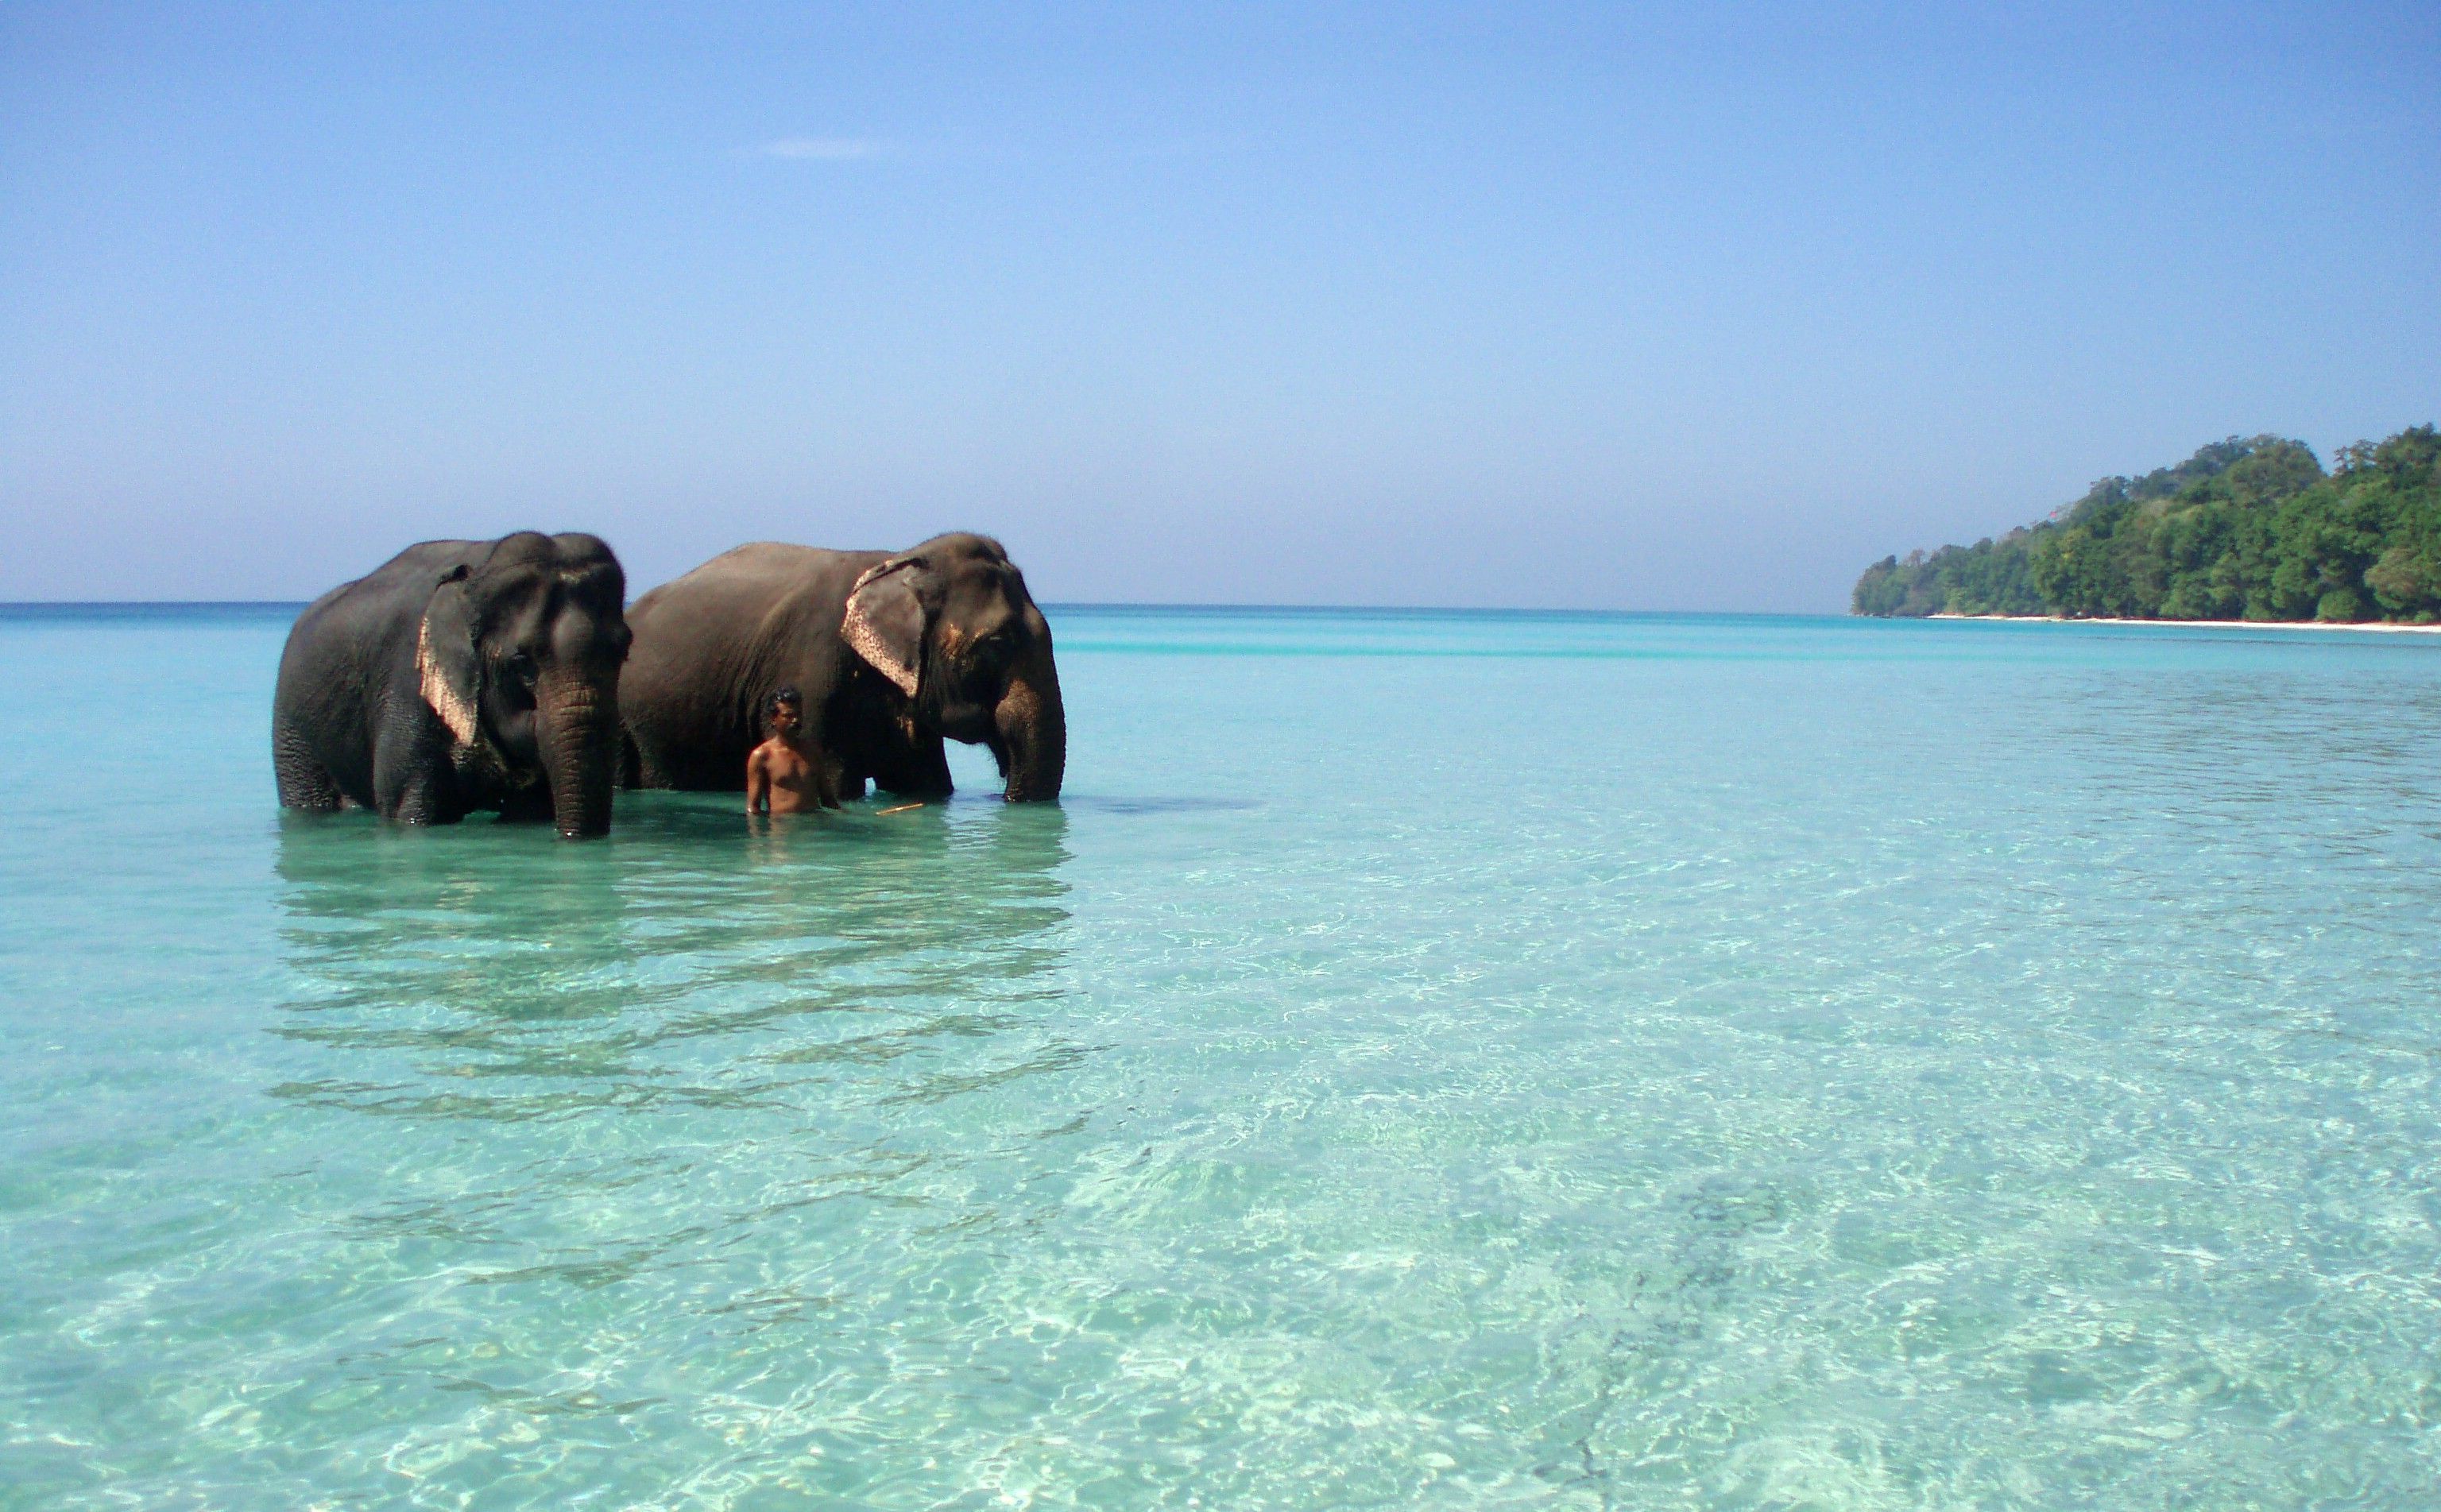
x=951, y=624
x=520, y=655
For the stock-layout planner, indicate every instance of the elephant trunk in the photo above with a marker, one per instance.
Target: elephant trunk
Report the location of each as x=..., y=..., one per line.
x=577, y=729
x=1032, y=730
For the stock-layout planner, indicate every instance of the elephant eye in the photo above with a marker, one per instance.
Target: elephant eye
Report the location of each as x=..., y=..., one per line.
x=520, y=665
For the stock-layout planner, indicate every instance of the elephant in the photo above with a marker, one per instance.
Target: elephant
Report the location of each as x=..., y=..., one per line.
x=891, y=653
x=460, y=676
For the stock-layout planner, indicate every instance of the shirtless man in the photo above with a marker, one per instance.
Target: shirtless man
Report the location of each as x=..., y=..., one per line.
x=786, y=774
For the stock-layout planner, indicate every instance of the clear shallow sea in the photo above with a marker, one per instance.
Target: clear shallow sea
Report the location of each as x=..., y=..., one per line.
x=1428, y=1060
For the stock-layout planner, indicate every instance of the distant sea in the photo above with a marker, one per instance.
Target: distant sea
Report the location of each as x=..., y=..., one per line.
x=1427, y=1060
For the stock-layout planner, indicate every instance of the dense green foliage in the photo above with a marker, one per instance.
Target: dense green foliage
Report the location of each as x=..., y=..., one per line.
x=2243, y=530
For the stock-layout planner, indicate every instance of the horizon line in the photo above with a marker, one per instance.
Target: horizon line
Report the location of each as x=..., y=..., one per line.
x=14, y=605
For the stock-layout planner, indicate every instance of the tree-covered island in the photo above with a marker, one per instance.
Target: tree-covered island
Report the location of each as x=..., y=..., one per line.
x=2243, y=530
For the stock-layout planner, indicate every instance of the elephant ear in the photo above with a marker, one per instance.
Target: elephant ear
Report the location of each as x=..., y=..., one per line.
x=885, y=620
x=448, y=670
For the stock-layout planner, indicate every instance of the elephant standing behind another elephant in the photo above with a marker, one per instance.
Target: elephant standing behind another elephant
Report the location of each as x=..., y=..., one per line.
x=459, y=676
x=891, y=653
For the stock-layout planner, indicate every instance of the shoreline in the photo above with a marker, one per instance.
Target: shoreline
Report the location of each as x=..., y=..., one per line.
x=2379, y=626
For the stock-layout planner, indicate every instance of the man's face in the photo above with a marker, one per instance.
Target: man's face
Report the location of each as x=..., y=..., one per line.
x=784, y=719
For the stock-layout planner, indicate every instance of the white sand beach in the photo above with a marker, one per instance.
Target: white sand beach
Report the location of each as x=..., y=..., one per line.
x=2383, y=627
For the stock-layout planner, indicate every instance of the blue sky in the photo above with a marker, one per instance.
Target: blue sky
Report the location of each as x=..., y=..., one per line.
x=1606, y=307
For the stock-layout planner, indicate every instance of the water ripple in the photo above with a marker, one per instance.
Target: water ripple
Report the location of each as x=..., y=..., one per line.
x=1430, y=1061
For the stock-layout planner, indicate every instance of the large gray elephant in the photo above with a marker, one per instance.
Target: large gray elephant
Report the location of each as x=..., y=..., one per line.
x=891, y=653
x=460, y=676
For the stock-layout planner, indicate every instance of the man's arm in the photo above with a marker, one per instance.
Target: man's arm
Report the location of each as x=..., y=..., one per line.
x=758, y=783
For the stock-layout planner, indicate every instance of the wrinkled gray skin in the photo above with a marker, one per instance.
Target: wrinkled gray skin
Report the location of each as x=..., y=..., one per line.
x=460, y=676
x=891, y=653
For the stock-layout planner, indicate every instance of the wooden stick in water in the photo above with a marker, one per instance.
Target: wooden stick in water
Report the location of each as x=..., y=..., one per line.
x=900, y=809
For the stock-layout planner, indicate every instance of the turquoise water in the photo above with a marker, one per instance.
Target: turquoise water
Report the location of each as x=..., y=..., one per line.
x=1428, y=1060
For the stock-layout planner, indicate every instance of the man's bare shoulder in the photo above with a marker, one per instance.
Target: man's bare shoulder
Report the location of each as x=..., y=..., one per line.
x=780, y=754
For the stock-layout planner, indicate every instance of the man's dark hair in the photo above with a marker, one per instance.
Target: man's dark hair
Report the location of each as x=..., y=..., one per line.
x=785, y=695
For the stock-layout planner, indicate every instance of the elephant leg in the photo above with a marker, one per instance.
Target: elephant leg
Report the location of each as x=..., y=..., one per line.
x=826, y=779
x=917, y=768
x=638, y=766
x=411, y=777
x=304, y=781
x=422, y=801
x=428, y=798
x=646, y=763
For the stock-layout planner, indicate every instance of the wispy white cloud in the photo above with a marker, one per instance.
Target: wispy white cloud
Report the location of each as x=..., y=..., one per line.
x=824, y=149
